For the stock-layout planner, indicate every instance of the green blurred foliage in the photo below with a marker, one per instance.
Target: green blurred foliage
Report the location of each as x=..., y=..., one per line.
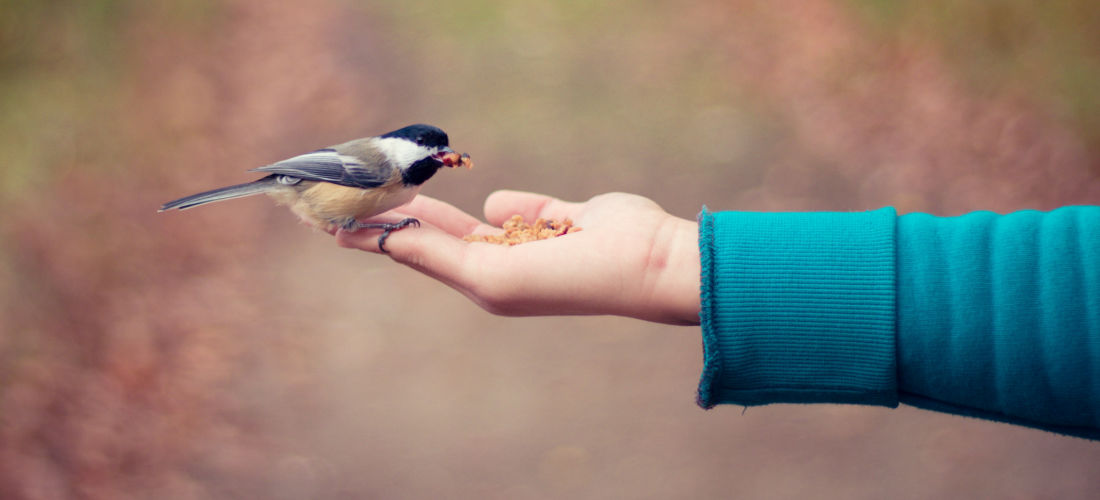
x=608, y=80
x=1051, y=49
x=37, y=34
x=64, y=67
x=58, y=67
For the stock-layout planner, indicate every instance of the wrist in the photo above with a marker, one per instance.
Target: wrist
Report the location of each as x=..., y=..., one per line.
x=676, y=300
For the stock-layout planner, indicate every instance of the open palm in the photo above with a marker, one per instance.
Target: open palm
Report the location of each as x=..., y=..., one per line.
x=631, y=258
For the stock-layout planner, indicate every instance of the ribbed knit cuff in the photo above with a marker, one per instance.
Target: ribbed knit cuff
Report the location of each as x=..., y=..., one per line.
x=798, y=308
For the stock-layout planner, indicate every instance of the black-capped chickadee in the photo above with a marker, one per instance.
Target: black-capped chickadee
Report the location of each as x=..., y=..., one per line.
x=336, y=186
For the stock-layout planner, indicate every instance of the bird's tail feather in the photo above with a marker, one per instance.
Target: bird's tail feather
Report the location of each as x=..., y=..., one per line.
x=225, y=193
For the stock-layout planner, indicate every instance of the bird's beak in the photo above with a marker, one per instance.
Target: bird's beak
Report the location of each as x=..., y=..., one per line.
x=444, y=154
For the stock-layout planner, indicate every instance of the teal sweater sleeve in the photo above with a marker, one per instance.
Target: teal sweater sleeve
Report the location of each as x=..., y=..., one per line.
x=985, y=315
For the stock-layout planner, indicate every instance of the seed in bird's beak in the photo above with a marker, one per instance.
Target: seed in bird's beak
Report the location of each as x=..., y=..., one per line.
x=453, y=159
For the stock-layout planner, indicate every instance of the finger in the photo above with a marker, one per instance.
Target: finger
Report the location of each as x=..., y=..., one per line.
x=367, y=238
x=502, y=205
x=443, y=215
x=427, y=248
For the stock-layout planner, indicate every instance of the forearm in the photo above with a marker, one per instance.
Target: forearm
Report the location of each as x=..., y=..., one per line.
x=999, y=316
x=991, y=316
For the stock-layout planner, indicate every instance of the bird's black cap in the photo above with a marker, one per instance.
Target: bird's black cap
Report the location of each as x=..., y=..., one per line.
x=424, y=135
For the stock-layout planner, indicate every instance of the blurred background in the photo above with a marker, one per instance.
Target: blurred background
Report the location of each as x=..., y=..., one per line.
x=230, y=352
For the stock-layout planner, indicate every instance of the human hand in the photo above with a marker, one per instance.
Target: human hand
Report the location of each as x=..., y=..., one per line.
x=631, y=258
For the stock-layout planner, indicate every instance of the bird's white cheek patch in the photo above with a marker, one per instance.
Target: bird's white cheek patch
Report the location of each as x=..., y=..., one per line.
x=402, y=151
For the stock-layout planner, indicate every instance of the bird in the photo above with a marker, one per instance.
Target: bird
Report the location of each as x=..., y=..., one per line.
x=337, y=186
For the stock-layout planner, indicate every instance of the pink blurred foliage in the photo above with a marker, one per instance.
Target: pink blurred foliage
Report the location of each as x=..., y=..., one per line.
x=893, y=119
x=148, y=355
x=125, y=337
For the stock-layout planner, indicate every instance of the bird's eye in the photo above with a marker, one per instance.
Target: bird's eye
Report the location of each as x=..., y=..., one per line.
x=420, y=140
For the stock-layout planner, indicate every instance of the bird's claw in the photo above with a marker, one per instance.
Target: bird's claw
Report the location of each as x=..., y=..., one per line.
x=387, y=228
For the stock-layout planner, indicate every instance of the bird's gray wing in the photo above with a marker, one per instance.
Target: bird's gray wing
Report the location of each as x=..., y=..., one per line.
x=328, y=165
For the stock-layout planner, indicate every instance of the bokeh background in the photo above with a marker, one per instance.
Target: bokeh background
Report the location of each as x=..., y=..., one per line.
x=229, y=352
